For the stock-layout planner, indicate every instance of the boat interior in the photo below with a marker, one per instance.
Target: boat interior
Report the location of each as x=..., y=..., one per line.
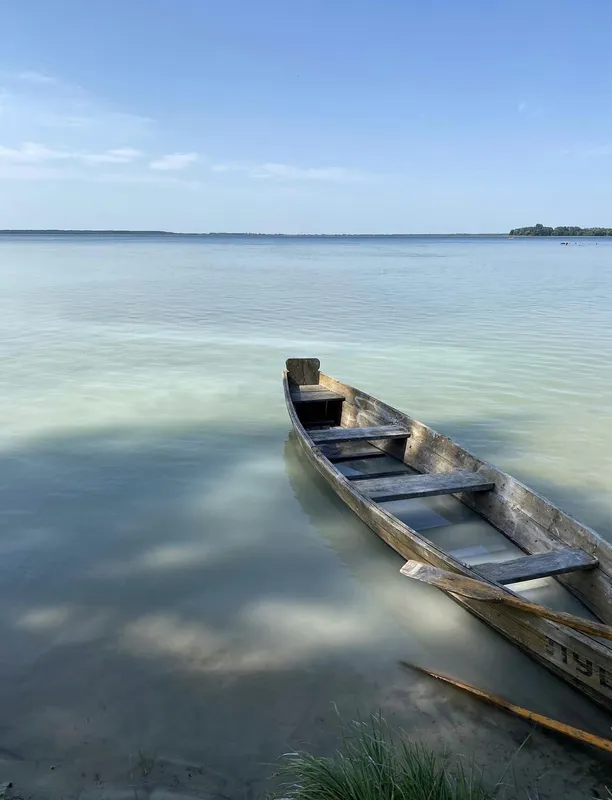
x=426, y=502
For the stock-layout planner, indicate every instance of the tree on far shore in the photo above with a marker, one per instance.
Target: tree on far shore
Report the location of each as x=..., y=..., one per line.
x=562, y=230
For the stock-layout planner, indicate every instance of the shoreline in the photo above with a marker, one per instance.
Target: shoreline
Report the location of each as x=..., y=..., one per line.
x=221, y=235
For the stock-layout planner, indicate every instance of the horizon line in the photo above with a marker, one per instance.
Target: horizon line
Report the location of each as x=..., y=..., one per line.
x=128, y=231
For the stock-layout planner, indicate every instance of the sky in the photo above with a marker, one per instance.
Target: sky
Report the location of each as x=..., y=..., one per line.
x=319, y=116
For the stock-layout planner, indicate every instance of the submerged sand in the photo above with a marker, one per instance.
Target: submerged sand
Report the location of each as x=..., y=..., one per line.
x=165, y=630
x=220, y=735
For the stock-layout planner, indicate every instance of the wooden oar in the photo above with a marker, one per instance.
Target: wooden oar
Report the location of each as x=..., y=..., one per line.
x=545, y=722
x=480, y=590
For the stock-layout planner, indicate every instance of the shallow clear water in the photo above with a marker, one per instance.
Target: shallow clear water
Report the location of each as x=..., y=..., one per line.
x=170, y=569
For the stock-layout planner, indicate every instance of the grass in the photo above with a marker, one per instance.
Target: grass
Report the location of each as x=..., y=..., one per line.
x=375, y=764
x=146, y=763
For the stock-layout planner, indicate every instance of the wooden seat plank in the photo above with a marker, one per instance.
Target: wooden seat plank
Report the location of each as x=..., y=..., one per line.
x=541, y=565
x=403, y=487
x=313, y=394
x=359, y=434
x=351, y=451
x=390, y=473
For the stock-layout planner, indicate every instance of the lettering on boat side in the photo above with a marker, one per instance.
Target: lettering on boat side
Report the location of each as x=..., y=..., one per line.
x=604, y=678
x=551, y=649
x=582, y=665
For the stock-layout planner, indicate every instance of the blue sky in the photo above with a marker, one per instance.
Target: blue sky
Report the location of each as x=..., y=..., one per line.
x=388, y=116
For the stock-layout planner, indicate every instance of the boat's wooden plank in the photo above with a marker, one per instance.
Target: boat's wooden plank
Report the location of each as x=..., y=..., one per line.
x=359, y=434
x=310, y=387
x=303, y=371
x=390, y=473
x=539, y=566
x=313, y=394
x=405, y=486
x=350, y=451
x=479, y=590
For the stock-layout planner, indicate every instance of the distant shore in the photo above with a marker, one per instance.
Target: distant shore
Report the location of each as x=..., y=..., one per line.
x=220, y=235
x=561, y=231
x=517, y=233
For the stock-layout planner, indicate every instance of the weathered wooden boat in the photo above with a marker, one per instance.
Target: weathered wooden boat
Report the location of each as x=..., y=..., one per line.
x=338, y=426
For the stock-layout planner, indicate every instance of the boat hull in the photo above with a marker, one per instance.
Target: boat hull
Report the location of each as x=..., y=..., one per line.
x=579, y=659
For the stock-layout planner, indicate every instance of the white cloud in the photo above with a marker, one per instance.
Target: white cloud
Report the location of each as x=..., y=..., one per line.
x=227, y=168
x=34, y=153
x=174, y=161
x=42, y=172
x=54, y=130
x=120, y=155
x=96, y=120
x=27, y=153
x=289, y=172
x=143, y=177
x=31, y=76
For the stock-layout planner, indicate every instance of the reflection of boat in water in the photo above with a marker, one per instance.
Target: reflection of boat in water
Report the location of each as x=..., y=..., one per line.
x=401, y=477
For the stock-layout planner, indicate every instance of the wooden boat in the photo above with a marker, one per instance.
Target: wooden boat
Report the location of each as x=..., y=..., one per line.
x=337, y=425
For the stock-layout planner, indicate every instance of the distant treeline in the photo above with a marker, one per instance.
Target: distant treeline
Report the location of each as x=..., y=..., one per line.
x=221, y=235
x=561, y=230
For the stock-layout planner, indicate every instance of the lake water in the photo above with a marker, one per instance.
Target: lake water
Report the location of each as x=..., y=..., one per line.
x=174, y=580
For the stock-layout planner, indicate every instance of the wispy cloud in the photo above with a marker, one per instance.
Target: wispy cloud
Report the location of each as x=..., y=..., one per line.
x=27, y=153
x=289, y=172
x=35, y=153
x=43, y=172
x=32, y=161
x=95, y=120
x=119, y=155
x=174, y=161
x=531, y=111
x=33, y=100
x=55, y=130
x=227, y=168
x=144, y=177
x=32, y=76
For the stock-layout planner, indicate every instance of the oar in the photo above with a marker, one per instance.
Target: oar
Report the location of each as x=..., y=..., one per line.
x=488, y=592
x=546, y=722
